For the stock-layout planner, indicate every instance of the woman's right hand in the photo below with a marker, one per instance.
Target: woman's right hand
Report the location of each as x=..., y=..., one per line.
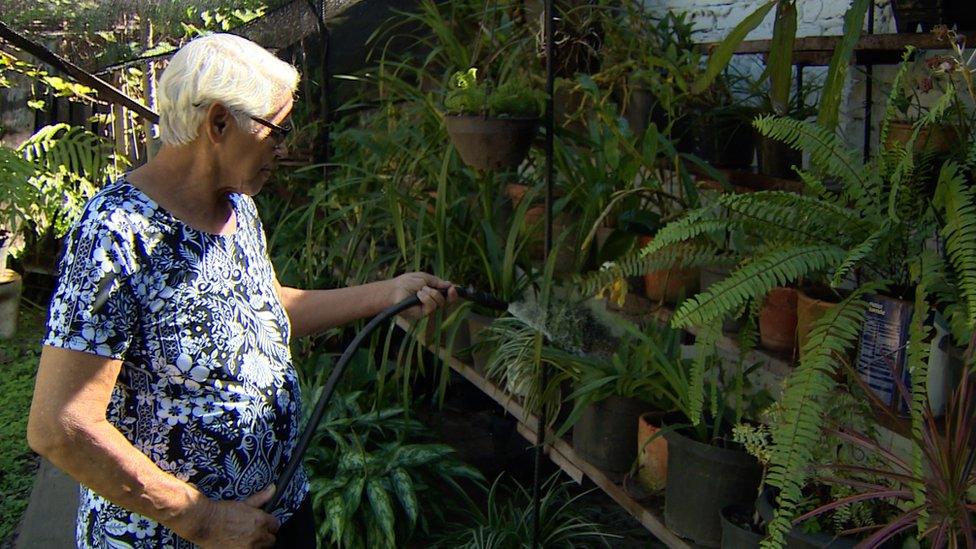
x=236, y=523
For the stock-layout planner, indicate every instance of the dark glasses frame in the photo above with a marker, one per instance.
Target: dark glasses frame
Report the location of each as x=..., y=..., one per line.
x=278, y=133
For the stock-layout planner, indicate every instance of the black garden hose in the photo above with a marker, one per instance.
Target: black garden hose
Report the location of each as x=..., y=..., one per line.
x=486, y=300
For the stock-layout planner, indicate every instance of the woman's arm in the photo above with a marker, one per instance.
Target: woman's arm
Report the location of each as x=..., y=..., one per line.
x=313, y=311
x=67, y=425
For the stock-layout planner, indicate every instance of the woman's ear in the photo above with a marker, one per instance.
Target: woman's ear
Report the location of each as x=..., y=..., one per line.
x=217, y=122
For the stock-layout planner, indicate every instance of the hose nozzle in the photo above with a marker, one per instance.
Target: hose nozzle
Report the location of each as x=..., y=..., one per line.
x=481, y=298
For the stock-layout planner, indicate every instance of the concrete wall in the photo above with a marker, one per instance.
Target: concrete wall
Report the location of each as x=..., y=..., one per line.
x=714, y=19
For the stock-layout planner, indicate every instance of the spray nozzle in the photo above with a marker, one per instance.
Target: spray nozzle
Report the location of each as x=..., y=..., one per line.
x=481, y=298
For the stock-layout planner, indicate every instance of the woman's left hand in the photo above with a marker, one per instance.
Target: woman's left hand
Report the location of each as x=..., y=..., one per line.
x=425, y=286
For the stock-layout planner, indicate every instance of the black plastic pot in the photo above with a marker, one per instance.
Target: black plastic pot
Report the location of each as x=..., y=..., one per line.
x=487, y=143
x=910, y=14
x=723, y=141
x=797, y=538
x=776, y=159
x=735, y=536
x=702, y=480
x=606, y=434
x=960, y=13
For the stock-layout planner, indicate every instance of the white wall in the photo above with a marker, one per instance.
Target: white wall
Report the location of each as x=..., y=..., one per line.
x=714, y=19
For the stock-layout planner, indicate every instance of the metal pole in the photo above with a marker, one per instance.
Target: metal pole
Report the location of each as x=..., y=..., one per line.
x=869, y=91
x=540, y=431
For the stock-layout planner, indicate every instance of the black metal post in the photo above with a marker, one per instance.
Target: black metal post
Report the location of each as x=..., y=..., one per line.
x=540, y=431
x=869, y=91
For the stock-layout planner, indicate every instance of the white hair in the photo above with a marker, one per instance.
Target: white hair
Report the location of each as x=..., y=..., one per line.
x=219, y=68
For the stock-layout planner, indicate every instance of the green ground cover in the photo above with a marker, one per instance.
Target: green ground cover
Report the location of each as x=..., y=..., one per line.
x=18, y=363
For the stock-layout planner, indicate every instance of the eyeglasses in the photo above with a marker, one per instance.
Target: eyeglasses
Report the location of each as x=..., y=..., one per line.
x=278, y=133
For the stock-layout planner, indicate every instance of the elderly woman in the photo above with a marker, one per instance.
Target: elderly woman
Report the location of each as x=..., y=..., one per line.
x=166, y=386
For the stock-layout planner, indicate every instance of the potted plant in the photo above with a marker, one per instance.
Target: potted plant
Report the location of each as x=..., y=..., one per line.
x=491, y=127
x=613, y=392
x=830, y=530
x=933, y=492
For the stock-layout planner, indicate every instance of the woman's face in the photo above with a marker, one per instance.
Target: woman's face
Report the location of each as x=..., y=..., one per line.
x=249, y=156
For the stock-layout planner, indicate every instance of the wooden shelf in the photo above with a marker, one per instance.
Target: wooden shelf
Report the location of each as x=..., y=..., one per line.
x=561, y=452
x=876, y=49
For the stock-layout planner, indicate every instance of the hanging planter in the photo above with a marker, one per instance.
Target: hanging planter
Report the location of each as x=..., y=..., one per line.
x=490, y=144
x=491, y=128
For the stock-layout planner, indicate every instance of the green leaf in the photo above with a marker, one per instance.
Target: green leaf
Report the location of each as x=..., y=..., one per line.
x=830, y=97
x=720, y=56
x=379, y=501
x=404, y=490
x=781, y=56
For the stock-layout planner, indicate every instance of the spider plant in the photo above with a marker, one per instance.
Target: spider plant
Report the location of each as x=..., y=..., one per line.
x=507, y=524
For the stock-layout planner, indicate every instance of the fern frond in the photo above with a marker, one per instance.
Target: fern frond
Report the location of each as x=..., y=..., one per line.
x=61, y=146
x=954, y=195
x=754, y=280
x=891, y=108
x=691, y=225
x=858, y=253
x=827, y=152
x=797, y=432
x=780, y=216
x=704, y=350
x=917, y=362
x=638, y=263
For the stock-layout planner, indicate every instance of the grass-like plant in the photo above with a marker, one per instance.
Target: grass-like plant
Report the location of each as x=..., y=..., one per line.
x=507, y=521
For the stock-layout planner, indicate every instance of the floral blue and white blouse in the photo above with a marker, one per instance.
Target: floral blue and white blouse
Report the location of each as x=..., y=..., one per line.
x=207, y=388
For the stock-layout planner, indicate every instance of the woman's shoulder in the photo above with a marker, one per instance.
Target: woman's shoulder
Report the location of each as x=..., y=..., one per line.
x=121, y=208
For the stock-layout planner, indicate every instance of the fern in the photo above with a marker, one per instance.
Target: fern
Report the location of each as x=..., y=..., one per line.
x=955, y=197
x=917, y=360
x=797, y=433
x=827, y=152
x=70, y=147
x=784, y=216
x=859, y=253
x=751, y=282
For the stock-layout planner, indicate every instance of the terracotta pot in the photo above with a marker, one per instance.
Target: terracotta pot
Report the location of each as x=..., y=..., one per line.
x=939, y=139
x=777, y=320
x=11, y=286
x=487, y=143
x=669, y=285
x=652, y=457
x=808, y=310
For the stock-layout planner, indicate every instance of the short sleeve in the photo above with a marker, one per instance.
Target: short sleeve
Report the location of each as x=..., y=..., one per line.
x=93, y=309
